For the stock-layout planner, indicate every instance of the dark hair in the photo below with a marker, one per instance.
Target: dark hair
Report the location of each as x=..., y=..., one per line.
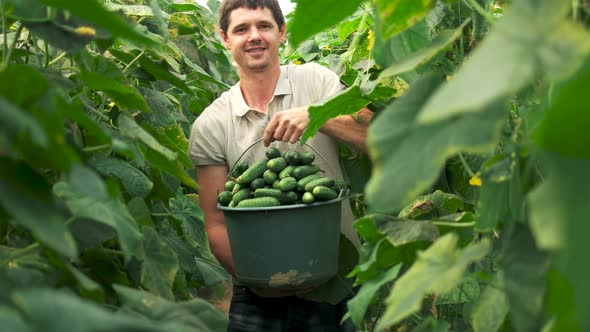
x=229, y=6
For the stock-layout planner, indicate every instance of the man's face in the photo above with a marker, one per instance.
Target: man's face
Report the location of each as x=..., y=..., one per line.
x=253, y=38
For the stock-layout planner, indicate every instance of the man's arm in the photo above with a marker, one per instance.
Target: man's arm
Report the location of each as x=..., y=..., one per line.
x=212, y=181
x=289, y=125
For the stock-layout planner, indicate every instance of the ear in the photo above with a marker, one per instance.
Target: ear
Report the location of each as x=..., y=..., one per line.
x=224, y=39
x=282, y=36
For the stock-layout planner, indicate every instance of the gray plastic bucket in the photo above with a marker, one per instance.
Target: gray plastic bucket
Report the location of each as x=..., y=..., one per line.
x=285, y=247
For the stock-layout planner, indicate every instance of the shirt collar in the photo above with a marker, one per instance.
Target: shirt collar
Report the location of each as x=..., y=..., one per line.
x=241, y=108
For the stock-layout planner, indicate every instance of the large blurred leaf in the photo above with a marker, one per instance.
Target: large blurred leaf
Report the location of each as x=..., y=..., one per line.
x=437, y=270
x=389, y=51
x=347, y=102
x=358, y=305
x=14, y=122
x=310, y=17
x=490, y=310
x=564, y=195
x=209, y=273
x=414, y=60
x=25, y=195
x=93, y=11
x=524, y=268
x=400, y=173
x=533, y=37
x=23, y=85
x=54, y=310
x=196, y=314
x=492, y=205
x=564, y=128
x=86, y=196
x=135, y=182
x=11, y=320
x=397, y=15
x=160, y=265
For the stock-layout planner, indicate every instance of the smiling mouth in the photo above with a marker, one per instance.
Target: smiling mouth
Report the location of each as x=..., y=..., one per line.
x=255, y=49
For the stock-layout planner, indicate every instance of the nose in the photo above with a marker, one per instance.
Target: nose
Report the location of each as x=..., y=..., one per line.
x=254, y=34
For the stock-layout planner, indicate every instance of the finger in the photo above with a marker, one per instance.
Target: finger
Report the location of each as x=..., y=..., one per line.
x=288, y=134
x=280, y=132
x=269, y=132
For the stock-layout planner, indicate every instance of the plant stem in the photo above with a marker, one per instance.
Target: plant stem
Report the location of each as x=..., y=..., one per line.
x=476, y=6
x=46, y=53
x=133, y=61
x=96, y=148
x=575, y=9
x=5, y=35
x=454, y=224
x=112, y=251
x=59, y=57
x=21, y=253
x=6, y=61
x=465, y=165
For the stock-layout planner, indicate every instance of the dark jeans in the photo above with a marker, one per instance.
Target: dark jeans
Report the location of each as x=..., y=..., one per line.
x=251, y=313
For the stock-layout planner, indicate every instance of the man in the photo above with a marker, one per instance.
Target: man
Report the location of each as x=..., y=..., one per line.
x=269, y=102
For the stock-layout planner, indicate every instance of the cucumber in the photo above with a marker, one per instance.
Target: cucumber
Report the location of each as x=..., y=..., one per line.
x=302, y=171
x=276, y=183
x=323, y=181
x=287, y=184
x=259, y=202
x=257, y=183
x=269, y=176
x=307, y=198
x=277, y=164
x=287, y=171
x=242, y=195
x=306, y=157
x=272, y=153
x=240, y=168
x=224, y=197
x=231, y=204
x=229, y=185
x=293, y=157
x=237, y=187
x=253, y=172
x=302, y=182
x=324, y=193
x=283, y=197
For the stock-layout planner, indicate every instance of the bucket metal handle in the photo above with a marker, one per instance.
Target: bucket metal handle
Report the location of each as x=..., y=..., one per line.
x=260, y=139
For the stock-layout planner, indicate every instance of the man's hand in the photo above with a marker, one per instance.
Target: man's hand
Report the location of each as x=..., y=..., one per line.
x=286, y=126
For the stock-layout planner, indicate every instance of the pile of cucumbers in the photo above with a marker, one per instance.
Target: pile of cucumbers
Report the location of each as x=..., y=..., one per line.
x=279, y=179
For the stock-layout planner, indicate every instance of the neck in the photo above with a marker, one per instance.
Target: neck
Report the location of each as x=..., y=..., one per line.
x=258, y=87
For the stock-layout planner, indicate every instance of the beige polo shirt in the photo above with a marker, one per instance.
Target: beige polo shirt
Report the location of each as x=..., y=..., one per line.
x=229, y=128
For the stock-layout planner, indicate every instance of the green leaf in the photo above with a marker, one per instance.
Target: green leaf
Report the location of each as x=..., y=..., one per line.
x=135, y=182
x=561, y=302
x=531, y=38
x=88, y=287
x=10, y=320
x=14, y=122
x=389, y=51
x=523, y=271
x=85, y=195
x=339, y=287
x=467, y=291
x=400, y=233
x=492, y=205
x=75, y=113
x=129, y=128
x=490, y=310
x=358, y=305
x=25, y=195
x=414, y=60
x=397, y=15
x=104, y=75
x=210, y=273
x=347, y=102
x=438, y=269
x=194, y=315
x=23, y=85
x=394, y=138
x=556, y=198
x=54, y=310
x=93, y=11
x=382, y=255
x=160, y=265
x=310, y=17
x=564, y=128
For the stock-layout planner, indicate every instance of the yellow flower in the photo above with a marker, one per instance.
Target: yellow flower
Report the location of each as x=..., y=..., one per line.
x=111, y=104
x=371, y=39
x=327, y=48
x=475, y=181
x=297, y=62
x=85, y=31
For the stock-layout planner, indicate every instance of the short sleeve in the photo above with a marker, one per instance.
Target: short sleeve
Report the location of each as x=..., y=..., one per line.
x=206, y=142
